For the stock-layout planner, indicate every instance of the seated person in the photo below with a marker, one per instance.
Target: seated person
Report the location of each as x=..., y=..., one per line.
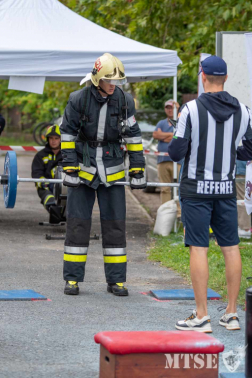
x=44, y=165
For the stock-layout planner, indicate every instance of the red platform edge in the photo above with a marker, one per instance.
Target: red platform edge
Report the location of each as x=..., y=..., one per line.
x=123, y=342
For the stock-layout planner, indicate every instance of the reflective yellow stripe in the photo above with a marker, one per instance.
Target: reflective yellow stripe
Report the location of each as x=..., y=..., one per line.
x=47, y=198
x=85, y=175
x=52, y=173
x=47, y=158
x=66, y=145
x=134, y=147
x=38, y=184
x=74, y=168
x=116, y=176
x=75, y=258
x=54, y=128
x=136, y=169
x=115, y=259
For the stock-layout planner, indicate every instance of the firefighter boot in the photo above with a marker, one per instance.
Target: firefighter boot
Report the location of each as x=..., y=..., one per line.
x=71, y=288
x=55, y=214
x=117, y=289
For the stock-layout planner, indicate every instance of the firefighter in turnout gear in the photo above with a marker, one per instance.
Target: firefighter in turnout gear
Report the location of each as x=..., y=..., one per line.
x=43, y=166
x=96, y=120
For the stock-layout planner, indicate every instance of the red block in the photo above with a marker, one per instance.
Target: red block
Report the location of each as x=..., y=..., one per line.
x=151, y=354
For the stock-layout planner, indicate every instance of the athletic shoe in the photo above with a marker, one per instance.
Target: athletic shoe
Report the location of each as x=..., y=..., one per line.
x=118, y=289
x=244, y=234
x=230, y=321
x=71, y=288
x=194, y=324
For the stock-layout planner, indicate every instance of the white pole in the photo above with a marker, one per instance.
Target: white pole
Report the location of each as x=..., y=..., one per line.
x=175, y=165
x=175, y=96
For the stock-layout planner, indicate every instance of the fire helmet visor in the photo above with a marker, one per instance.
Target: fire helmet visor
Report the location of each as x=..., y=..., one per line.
x=115, y=81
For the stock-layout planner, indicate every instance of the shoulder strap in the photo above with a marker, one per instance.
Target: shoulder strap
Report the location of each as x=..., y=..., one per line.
x=85, y=105
x=123, y=105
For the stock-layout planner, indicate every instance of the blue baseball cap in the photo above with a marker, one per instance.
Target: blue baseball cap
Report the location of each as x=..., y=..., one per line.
x=214, y=65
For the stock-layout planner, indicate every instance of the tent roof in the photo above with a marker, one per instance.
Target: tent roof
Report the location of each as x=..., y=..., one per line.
x=43, y=38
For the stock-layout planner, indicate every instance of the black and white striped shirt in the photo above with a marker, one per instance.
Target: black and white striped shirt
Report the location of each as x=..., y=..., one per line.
x=210, y=149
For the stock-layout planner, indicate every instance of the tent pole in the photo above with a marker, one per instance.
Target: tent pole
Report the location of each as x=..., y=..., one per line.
x=175, y=165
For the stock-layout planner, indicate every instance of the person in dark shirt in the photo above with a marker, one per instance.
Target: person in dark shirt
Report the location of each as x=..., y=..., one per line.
x=44, y=165
x=207, y=136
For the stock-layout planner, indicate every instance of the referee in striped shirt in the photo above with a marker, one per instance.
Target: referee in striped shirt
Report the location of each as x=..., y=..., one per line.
x=207, y=136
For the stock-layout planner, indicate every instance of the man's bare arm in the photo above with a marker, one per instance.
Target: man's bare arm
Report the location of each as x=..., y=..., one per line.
x=161, y=135
x=169, y=138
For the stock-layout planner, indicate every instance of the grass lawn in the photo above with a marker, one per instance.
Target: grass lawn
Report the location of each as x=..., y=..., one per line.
x=16, y=141
x=170, y=252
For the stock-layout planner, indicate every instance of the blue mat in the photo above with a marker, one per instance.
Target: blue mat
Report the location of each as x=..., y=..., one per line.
x=233, y=375
x=182, y=294
x=20, y=295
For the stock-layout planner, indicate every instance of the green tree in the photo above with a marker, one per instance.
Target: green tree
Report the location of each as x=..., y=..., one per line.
x=155, y=23
x=34, y=107
x=187, y=26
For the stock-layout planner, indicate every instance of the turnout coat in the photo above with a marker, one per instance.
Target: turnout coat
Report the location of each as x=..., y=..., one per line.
x=91, y=139
x=43, y=166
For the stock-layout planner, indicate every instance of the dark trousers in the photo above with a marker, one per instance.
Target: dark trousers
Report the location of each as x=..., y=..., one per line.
x=46, y=195
x=80, y=202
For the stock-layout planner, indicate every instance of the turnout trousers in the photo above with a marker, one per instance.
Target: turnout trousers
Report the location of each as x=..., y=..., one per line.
x=80, y=202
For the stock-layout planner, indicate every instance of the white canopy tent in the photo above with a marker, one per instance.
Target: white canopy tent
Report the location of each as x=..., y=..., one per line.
x=44, y=40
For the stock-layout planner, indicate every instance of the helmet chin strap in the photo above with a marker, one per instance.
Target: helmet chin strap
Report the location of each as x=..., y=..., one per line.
x=102, y=90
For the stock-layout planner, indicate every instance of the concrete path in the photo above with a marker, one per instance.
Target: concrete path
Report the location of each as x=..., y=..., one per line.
x=55, y=338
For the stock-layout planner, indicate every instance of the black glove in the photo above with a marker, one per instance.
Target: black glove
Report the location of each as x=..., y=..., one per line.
x=44, y=185
x=71, y=179
x=56, y=215
x=137, y=180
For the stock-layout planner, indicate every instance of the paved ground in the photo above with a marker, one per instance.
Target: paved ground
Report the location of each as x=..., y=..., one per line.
x=55, y=338
x=149, y=201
